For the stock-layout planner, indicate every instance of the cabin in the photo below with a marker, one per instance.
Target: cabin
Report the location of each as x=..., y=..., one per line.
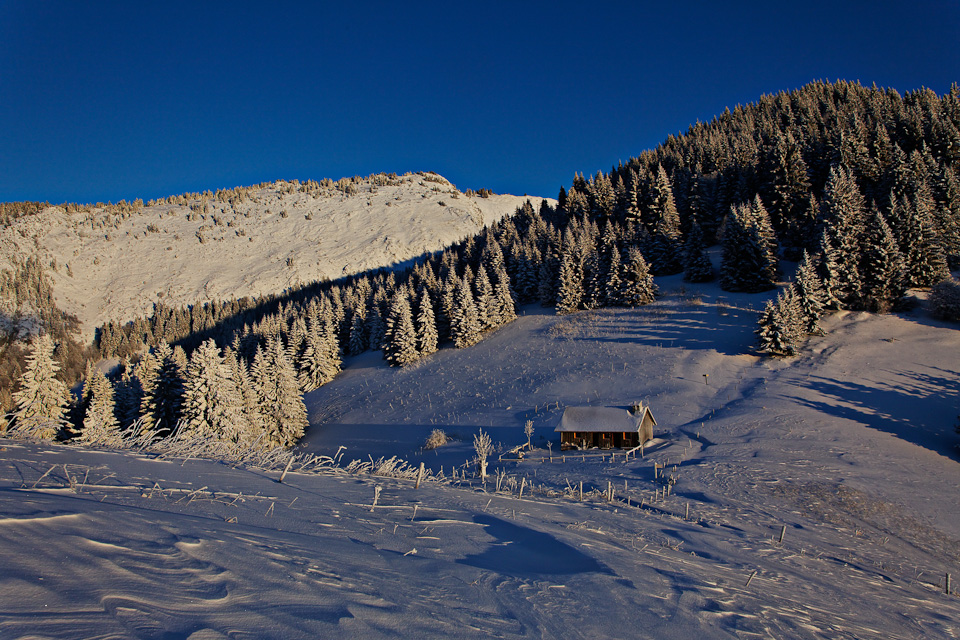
x=605, y=427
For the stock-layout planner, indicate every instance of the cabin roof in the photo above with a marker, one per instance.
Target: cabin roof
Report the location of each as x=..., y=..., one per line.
x=602, y=419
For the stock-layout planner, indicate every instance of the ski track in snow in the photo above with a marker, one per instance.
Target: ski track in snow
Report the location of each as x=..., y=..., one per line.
x=847, y=449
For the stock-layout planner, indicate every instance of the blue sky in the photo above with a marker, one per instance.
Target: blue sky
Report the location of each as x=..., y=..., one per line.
x=110, y=100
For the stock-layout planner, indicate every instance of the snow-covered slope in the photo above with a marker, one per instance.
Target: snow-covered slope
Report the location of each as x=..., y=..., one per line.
x=848, y=450
x=243, y=242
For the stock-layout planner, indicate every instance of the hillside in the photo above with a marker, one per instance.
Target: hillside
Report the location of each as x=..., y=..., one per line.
x=115, y=262
x=849, y=447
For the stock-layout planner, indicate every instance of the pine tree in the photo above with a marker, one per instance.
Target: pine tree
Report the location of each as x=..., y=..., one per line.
x=320, y=360
x=163, y=400
x=42, y=400
x=780, y=327
x=212, y=404
x=100, y=425
x=666, y=250
x=487, y=310
x=427, y=338
x=464, y=328
x=254, y=426
x=506, y=307
x=570, y=277
x=637, y=282
x=842, y=212
x=748, y=264
x=275, y=379
x=696, y=263
x=400, y=346
x=613, y=287
x=811, y=295
x=881, y=267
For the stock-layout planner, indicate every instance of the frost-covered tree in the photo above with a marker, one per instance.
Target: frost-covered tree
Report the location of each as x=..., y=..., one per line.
x=427, y=338
x=636, y=281
x=212, y=403
x=780, y=327
x=810, y=294
x=483, y=447
x=464, y=328
x=747, y=261
x=100, y=424
x=842, y=212
x=163, y=400
x=570, y=277
x=881, y=267
x=400, y=339
x=42, y=399
x=275, y=379
x=320, y=361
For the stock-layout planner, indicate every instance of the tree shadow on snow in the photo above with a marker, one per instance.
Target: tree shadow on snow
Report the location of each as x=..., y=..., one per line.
x=520, y=551
x=726, y=330
x=921, y=408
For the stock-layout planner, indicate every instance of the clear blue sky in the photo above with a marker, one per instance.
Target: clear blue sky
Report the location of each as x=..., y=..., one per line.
x=108, y=100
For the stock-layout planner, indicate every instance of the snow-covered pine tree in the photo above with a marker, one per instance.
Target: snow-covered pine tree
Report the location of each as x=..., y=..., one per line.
x=569, y=277
x=842, y=213
x=746, y=260
x=810, y=294
x=275, y=379
x=464, y=328
x=163, y=400
x=637, y=282
x=486, y=302
x=666, y=248
x=319, y=362
x=613, y=288
x=41, y=401
x=926, y=263
x=254, y=426
x=400, y=340
x=829, y=273
x=779, y=328
x=100, y=425
x=548, y=275
x=506, y=307
x=696, y=263
x=212, y=403
x=358, y=335
x=881, y=267
x=427, y=338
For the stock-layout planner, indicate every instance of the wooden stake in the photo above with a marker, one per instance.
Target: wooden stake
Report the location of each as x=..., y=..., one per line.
x=749, y=579
x=287, y=468
x=523, y=483
x=419, y=477
x=581, y=491
x=946, y=584
x=686, y=513
x=783, y=530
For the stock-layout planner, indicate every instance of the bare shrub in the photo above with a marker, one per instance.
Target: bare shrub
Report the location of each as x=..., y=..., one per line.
x=436, y=439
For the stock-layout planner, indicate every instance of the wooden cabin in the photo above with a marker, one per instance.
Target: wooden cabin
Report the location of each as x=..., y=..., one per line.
x=605, y=427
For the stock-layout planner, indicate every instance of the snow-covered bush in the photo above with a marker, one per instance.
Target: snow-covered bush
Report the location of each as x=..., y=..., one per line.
x=436, y=439
x=945, y=300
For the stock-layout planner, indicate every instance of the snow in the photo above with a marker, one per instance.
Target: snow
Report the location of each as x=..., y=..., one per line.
x=598, y=419
x=848, y=450
x=279, y=238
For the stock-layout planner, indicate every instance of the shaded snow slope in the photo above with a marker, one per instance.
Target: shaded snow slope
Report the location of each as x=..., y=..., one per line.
x=847, y=449
x=275, y=237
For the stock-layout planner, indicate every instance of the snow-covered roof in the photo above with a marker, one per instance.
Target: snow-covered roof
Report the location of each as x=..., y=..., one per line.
x=604, y=419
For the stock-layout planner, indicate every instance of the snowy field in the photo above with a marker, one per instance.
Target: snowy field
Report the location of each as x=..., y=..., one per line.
x=847, y=452
x=111, y=269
